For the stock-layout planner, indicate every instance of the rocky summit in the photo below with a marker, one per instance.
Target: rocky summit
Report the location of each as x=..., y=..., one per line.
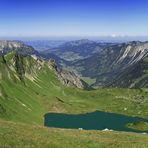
x=19, y=46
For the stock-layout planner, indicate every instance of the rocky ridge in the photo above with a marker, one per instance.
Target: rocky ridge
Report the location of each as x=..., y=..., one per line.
x=23, y=60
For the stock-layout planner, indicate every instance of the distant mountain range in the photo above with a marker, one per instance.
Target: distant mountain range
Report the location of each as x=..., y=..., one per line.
x=76, y=50
x=110, y=64
x=105, y=62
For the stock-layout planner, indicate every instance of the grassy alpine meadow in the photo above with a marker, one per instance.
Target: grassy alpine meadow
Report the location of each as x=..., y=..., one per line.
x=143, y=126
x=30, y=101
x=23, y=135
x=24, y=104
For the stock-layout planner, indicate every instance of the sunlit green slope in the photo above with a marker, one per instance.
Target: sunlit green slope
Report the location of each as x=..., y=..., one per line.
x=30, y=88
x=23, y=135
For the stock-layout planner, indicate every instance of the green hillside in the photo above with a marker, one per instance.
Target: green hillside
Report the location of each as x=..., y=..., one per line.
x=23, y=135
x=29, y=88
x=39, y=91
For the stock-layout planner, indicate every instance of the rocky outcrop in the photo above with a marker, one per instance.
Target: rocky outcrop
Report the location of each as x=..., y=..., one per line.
x=134, y=76
x=20, y=47
x=71, y=79
x=133, y=52
x=22, y=66
x=66, y=77
x=25, y=63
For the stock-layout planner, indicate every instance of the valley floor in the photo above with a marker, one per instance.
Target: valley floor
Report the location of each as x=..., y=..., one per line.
x=14, y=134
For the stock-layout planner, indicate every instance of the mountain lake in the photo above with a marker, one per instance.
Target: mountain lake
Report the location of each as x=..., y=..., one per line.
x=92, y=121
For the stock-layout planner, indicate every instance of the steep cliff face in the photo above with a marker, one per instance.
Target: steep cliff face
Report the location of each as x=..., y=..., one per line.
x=67, y=78
x=107, y=66
x=128, y=67
x=134, y=76
x=18, y=67
x=133, y=53
x=70, y=79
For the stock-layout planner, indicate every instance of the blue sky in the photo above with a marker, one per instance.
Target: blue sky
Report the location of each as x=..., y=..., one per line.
x=73, y=17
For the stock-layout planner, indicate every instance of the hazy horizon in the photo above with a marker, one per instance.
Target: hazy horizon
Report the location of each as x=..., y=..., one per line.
x=70, y=38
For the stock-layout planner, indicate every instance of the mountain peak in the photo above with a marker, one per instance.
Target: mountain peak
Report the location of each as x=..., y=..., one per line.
x=79, y=42
x=10, y=44
x=6, y=46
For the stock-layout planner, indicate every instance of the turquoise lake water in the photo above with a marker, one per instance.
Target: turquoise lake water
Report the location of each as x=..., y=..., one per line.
x=92, y=121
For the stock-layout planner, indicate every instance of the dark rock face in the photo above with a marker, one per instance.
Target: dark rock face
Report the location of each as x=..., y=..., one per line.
x=134, y=76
